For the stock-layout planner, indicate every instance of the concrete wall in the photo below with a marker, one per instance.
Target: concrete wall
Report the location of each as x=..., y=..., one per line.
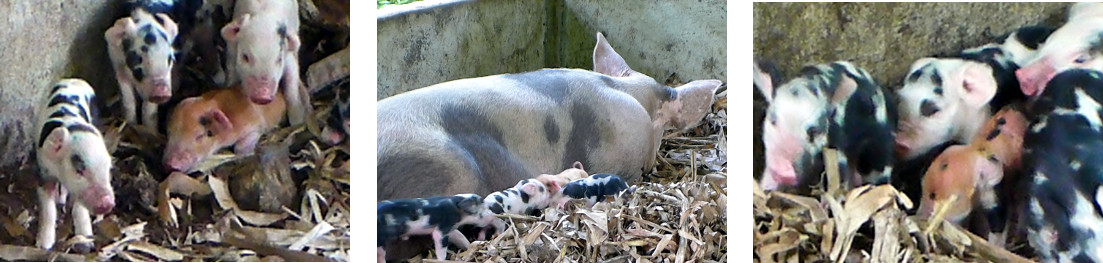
x=41, y=42
x=428, y=43
x=658, y=37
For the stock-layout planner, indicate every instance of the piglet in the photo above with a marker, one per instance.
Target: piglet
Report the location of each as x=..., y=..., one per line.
x=200, y=126
x=1073, y=45
x=142, y=55
x=556, y=182
x=529, y=197
x=971, y=176
x=437, y=216
x=262, y=52
x=836, y=105
x=593, y=189
x=943, y=99
x=72, y=157
x=1062, y=156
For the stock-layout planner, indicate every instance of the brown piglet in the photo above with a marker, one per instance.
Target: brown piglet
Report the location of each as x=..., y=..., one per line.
x=978, y=175
x=200, y=126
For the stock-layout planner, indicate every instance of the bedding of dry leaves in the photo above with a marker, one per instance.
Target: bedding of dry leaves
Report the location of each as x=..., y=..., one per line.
x=866, y=224
x=678, y=215
x=288, y=202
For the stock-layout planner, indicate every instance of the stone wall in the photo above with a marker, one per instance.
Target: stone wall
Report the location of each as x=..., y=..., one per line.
x=41, y=42
x=428, y=43
x=883, y=38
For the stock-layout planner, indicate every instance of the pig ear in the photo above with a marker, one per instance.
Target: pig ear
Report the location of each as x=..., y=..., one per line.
x=531, y=188
x=695, y=98
x=293, y=42
x=975, y=82
x=230, y=31
x=115, y=34
x=578, y=165
x=168, y=24
x=607, y=61
x=55, y=143
x=989, y=169
x=221, y=122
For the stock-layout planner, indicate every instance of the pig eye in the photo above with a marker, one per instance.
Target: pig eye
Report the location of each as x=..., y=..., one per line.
x=279, y=60
x=931, y=196
x=1082, y=58
x=245, y=57
x=210, y=133
x=927, y=108
x=813, y=132
x=78, y=164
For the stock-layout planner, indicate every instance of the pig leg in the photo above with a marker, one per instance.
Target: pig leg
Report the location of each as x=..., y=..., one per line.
x=47, y=215
x=82, y=220
x=149, y=114
x=382, y=254
x=129, y=102
x=458, y=239
x=438, y=244
x=995, y=215
x=290, y=85
x=247, y=144
x=82, y=224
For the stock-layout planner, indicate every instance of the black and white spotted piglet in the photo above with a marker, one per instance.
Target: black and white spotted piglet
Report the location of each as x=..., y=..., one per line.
x=1062, y=154
x=592, y=189
x=72, y=158
x=436, y=216
x=142, y=55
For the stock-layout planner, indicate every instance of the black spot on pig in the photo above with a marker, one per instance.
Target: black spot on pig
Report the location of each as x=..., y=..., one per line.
x=938, y=91
x=992, y=134
x=551, y=130
x=584, y=135
x=936, y=78
x=47, y=128
x=64, y=99
x=133, y=59
x=62, y=112
x=396, y=170
x=524, y=197
x=1033, y=36
x=480, y=140
x=139, y=75
x=127, y=43
x=81, y=127
x=551, y=83
x=1001, y=121
x=56, y=88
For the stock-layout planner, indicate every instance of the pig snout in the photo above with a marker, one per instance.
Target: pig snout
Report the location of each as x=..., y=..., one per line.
x=99, y=200
x=781, y=169
x=177, y=161
x=260, y=90
x=160, y=91
x=1033, y=78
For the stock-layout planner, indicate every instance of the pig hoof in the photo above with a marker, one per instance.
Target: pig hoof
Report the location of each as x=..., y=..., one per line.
x=83, y=247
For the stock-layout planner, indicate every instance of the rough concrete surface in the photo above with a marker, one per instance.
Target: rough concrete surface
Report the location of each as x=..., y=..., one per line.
x=43, y=41
x=660, y=37
x=460, y=39
x=438, y=42
x=883, y=38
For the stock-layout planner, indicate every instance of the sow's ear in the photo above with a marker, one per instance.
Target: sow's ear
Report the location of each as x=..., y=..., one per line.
x=695, y=99
x=607, y=61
